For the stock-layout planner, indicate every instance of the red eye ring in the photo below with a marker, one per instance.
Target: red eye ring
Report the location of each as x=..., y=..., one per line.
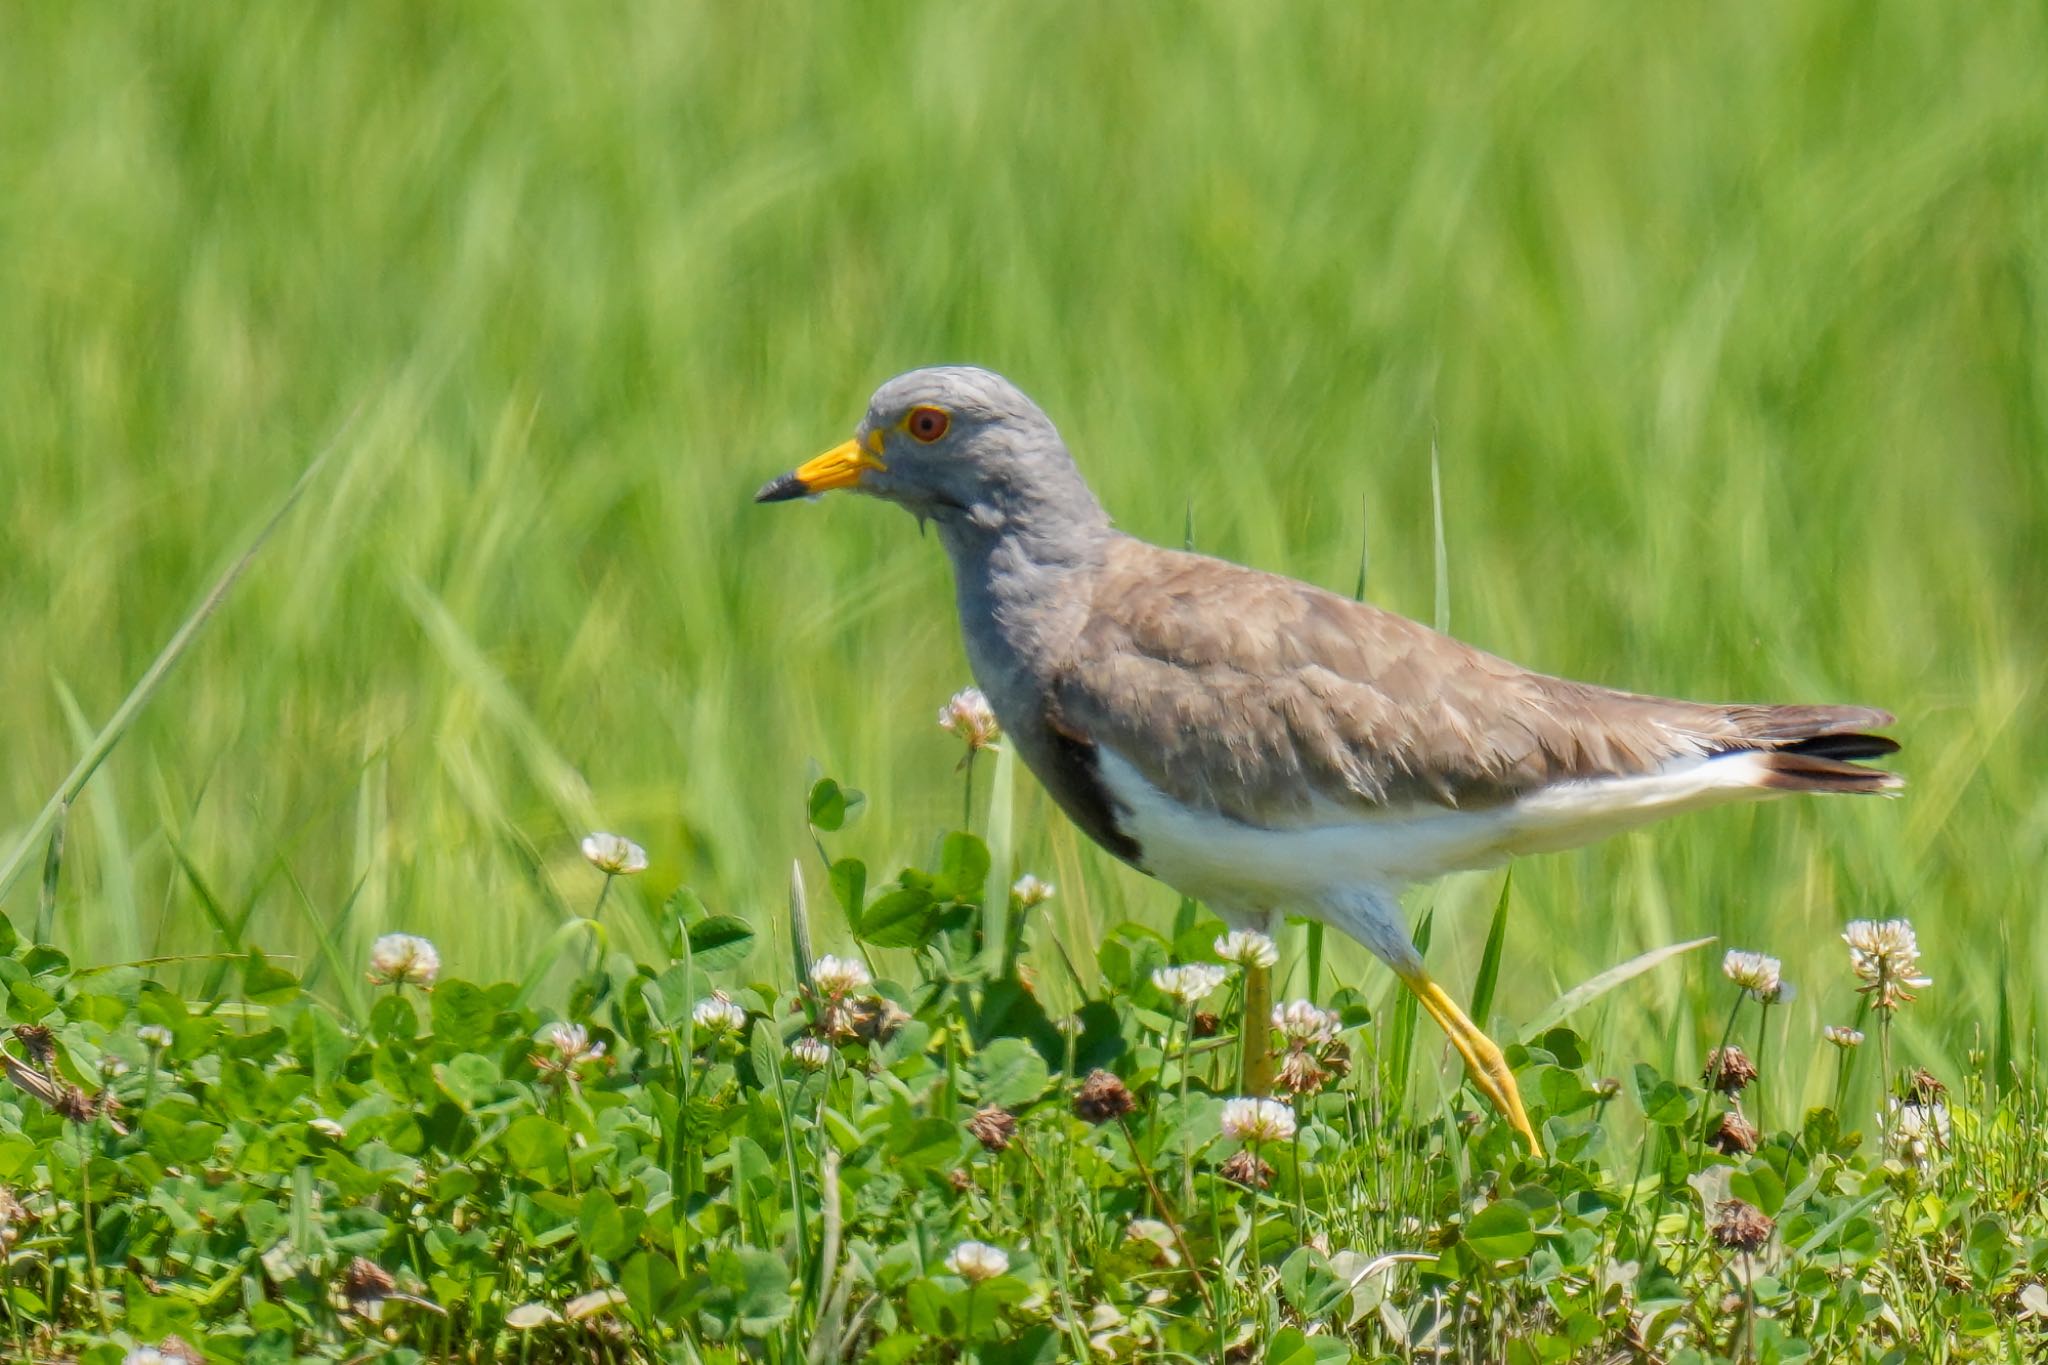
x=927, y=424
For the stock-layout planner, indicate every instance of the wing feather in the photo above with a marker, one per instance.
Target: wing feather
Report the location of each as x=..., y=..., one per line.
x=1262, y=698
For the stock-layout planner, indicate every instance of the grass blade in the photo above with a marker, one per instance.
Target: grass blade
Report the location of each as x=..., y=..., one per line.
x=1443, y=554
x=330, y=933
x=1580, y=996
x=1364, y=554
x=799, y=925
x=53, y=867
x=1401, y=1046
x=1489, y=961
x=552, y=950
x=119, y=917
x=1314, y=948
x=997, y=933
x=159, y=669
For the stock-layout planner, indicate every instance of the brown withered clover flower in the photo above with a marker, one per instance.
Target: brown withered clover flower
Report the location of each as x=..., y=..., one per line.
x=38, y=1042
x=993, y=1127
x=1736, y=1136
x=365, y=1285
x=1314, y=1056
x=1728, y=1070
x=75, y=1104
x=873, y=1019
x=1102, y=1097
x=1741, y=1227
x=1922, y=1087
x=1246, y=1169
x=1300, y=1073
x=13, y=1215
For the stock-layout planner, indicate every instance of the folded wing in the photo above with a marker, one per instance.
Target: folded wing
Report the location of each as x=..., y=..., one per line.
x=1262, y=698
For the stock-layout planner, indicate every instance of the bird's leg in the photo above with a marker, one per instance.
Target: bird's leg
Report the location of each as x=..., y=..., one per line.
x=1483, y=1059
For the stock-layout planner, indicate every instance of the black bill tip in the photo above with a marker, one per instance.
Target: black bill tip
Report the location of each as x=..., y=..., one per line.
x=782, y=490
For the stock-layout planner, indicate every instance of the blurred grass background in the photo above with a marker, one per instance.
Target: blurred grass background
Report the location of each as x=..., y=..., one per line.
x=1728, y=324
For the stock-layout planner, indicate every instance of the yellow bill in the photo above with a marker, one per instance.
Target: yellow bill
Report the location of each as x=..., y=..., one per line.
x=839, y=467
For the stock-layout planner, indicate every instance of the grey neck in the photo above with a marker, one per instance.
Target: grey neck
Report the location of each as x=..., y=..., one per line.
x=1020, y=571
x=1043, y=525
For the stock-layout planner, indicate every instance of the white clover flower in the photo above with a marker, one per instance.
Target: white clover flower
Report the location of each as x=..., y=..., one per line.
x=328, y=1128
x=1877, y=945
x=1915, y=1132
x=146, y=1355
x=840, y=976
x=1302, y=1022
x=977, y=1261
x=572, y=1044
x=1247, y=948
x=154, y=1036
x=1257, y=1120
x=967, y=715
x=405, y=959
x=718, y=1015
x=614, y=854
x=1189, y=982
x=1753, y=972
x=1885, y=954
x=1030, y=891
x=812, y=1054
x=1842, y=1036
x=112, y=1065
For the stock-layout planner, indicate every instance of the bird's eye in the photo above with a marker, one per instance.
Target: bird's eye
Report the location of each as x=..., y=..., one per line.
x=927, y=424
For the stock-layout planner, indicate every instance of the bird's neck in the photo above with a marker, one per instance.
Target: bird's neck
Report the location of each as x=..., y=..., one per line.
x=1020, y=573
x=1038, y=529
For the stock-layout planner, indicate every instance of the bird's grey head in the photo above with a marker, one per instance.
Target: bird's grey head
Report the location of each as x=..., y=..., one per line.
x=960, y=445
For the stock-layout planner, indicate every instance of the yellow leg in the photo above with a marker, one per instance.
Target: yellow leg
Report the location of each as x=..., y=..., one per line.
x=1256, y=1073
x=1483, y=1059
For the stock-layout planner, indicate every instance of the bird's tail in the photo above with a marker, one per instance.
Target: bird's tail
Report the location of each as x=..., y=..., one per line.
x=1815, y=748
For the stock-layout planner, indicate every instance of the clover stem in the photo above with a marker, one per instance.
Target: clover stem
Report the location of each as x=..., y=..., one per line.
x=1762, y=1038
x=1848, y=1067
x=1252, y=1242
x=1884, y=1050
x=1187, y=1156
x=1715, y=1064
x=1748, y=1310
x=1166, y=1214
x=1300, y=1190
x=92, y=1255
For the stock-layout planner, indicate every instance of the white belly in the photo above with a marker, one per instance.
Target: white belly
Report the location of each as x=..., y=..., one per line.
x=1336, y=850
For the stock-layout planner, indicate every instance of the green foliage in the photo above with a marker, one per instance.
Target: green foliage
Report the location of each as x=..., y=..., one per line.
x=696, y=1165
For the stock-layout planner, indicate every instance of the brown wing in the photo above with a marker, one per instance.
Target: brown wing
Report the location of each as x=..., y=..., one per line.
x=1253, y=695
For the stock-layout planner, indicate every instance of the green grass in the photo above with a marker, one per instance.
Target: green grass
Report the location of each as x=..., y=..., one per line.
x=1727, y=325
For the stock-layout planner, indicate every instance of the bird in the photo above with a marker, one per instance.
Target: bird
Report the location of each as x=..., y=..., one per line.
x=1271, y=748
